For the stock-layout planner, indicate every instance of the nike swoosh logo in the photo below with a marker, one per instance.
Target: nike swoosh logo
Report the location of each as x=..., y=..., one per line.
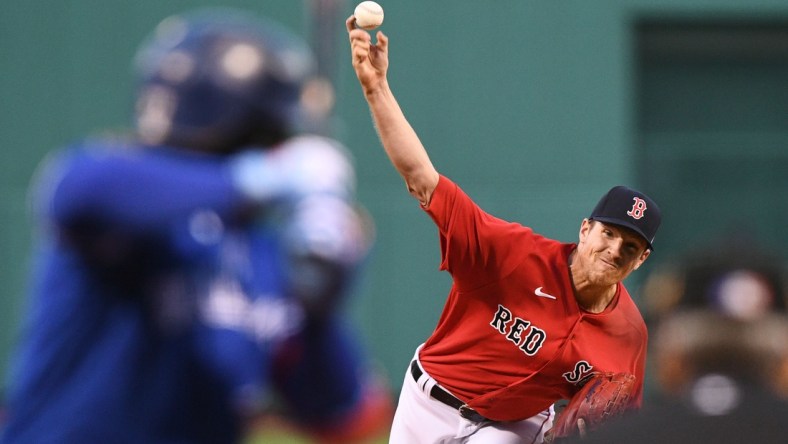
x=540, y=293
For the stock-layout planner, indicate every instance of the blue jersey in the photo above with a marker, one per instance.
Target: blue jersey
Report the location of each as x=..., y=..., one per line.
x=244, y=317
x=131, y=244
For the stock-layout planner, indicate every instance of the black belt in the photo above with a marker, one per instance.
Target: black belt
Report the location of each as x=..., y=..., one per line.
x=439, y=394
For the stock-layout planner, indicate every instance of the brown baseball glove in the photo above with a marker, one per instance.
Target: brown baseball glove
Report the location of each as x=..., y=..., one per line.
x=604, y=396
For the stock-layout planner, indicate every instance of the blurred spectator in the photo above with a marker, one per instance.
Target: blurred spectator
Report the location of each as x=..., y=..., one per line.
x=707, y=276
x=316, y=372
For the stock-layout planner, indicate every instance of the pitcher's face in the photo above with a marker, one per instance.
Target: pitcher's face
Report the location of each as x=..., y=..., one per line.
x=608, y=253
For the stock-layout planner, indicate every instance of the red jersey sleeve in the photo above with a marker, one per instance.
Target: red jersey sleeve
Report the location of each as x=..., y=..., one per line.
x=476, y=247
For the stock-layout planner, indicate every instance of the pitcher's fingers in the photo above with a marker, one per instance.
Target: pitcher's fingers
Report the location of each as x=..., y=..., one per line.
x=360, y=40
x=350, y=23
x=355, y=34
x=383, y=41
x=360, y=51
x=358, y=35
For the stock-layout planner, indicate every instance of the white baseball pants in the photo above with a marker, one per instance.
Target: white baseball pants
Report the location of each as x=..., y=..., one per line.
x=420, y=419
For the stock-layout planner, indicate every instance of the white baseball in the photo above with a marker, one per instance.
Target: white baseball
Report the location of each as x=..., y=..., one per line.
x=369, y=15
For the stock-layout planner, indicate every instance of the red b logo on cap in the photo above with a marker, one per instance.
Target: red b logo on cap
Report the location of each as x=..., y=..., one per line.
x=638, y=209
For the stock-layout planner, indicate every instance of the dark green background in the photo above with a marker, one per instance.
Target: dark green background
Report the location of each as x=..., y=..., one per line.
x=534, y=107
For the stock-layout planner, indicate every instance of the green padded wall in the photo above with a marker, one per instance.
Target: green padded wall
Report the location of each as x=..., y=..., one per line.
x=528, y=105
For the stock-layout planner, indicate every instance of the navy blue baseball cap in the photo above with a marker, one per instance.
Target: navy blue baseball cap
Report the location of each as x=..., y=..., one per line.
x=631, y=209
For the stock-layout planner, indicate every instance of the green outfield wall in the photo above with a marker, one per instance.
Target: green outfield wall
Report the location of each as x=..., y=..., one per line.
x=534, y=107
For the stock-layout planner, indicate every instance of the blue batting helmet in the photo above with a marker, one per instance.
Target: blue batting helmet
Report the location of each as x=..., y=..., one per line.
x=220, y=79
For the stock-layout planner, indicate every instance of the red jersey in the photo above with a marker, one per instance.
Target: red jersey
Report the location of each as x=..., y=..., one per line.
x=512, y=339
